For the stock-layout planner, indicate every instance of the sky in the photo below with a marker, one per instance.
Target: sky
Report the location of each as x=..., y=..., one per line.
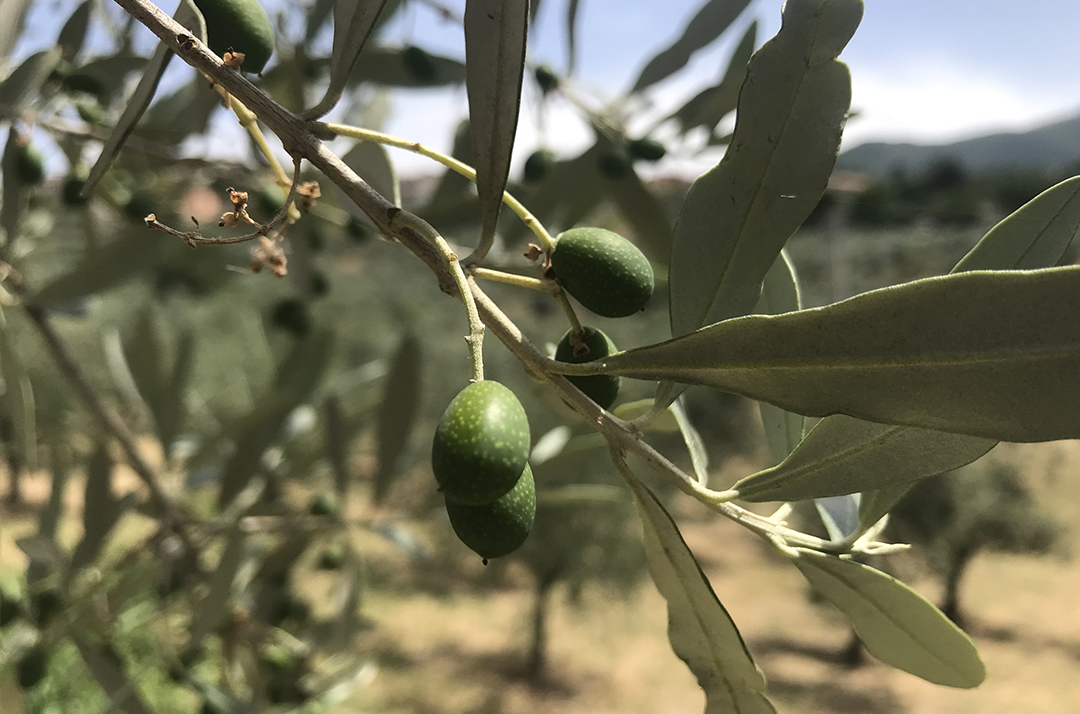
x=927, y=71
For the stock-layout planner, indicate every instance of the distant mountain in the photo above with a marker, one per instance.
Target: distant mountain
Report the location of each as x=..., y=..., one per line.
x=1053, y=147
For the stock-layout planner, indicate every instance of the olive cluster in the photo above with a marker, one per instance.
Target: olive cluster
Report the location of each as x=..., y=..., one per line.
x=480, y=457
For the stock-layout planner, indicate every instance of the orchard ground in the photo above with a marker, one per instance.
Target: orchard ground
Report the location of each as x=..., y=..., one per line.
x=451, y=644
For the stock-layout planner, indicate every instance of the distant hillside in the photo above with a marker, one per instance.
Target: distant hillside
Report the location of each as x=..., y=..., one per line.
x=1054, y=148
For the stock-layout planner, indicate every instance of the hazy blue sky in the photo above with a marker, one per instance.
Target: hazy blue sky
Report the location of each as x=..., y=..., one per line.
x=925, y=70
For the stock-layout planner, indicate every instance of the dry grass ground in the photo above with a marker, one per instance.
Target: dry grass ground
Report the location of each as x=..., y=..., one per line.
x=463, y=650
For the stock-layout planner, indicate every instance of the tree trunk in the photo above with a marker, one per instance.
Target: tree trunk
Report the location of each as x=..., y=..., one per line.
x=951, y=605
x=536, y=667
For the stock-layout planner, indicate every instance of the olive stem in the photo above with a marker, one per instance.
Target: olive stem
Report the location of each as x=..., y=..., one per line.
x=521, y=281
x=249, y=121
x=475, y=338
x=530, y=221
x=568, y=310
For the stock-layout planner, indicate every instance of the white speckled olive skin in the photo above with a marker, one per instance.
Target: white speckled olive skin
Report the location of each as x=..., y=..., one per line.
x=241, y=25
x=603, y=271
x=498, y=528
x=481, y=444
x=601, y=388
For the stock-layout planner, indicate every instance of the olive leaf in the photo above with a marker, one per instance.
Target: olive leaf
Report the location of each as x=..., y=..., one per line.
x=572, y=7
x=213, y=608
x=495, y=38
x=709, y=106
x=780, y=294
x=102, y=510
x=188, y=16
x=105, y=666
x=13, y=202
x=337, y=444
x=701, y=631
x=644, y=212
x=453, y=189
x=22, y=85
x=18, y=399
x=398, y=411
x=963, y=353
x=108, y=267
x=714, y=17
x=695, y=445
x=392, y=66
x=12, y=16
x=845, y=455
x=73, y=33
x=737, y=216
x=354, y=21
x=895, y=623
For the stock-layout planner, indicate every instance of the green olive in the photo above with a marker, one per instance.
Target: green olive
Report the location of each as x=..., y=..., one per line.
x=481, y=444
x=605, y=272
x=496, y=529
x=239, y=26
x=594, y=344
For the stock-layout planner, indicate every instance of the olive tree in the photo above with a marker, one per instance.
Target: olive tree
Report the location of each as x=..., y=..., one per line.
x=909, y=381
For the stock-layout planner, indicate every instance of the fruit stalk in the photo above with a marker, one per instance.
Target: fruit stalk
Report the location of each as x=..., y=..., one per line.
x=546, y=242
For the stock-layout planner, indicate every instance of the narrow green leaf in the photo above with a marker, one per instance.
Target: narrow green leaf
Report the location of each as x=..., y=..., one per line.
x=371, y=162
x=895, y=623
x=141, y=97
x=398, y=411
x=665, y=421
x=702, y=633
x=146, y=352
x=495, y=36
x=714, y=17
x=843, y=455
x=59, y=470
x=177, y=116
x=15, y=190
x=297, y=377
x=12, y=16
x=354, y=21
x=1036, y=235
x=317, y=15
x=383, y=65
x=645, y=213
x=73, y=33
x=453, y=188
x=337, y=444
x=212, y=610
x=737, y=216
x=18, y=398
x=712, y=104
x=171, y=413
x=780, y=294
x=572, y=7
x=108, y=267
x=102, y=509
x=22, y=85
x=123, y=693
x=695, y=445
x=979, y=353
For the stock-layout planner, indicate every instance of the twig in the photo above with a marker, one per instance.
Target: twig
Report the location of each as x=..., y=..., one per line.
x=547, y=242
x=521, y=281
x=300, y=139
x=171, y=515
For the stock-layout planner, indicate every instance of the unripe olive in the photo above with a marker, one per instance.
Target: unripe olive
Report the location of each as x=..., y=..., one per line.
x=496, y=529
x=538, y=165
x=546, y=78
x=10, y=608
x=277, y=659
x=29, y=165
x=239, y=26
x=320, y=284
x=605, y=272
x=419, y=63
x=292, y=315
x=324, y=504
x=30, y=670
x=601, y=388
x=47, y=604
x=615, y=162
x=358, y=230
x=83, y=82
x=72, y=190
x=139, y=206
x=331, y=558
x=647, y=149
x=481, y=444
